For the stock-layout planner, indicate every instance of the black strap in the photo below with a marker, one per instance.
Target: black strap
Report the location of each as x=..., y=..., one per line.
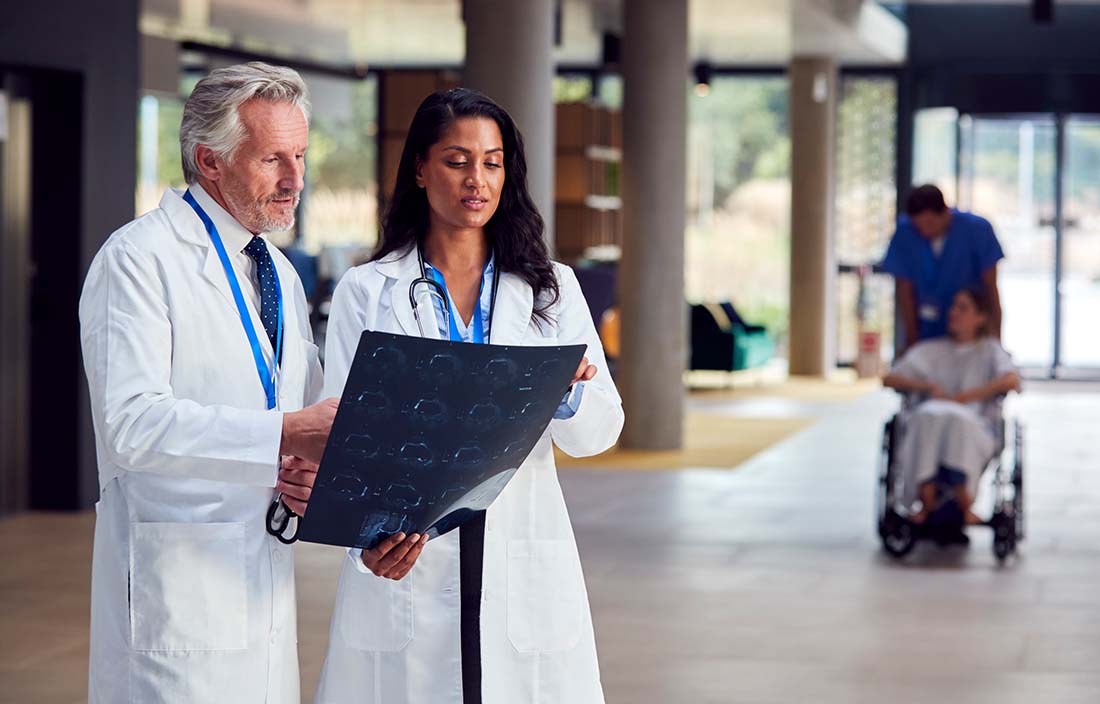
x=471, y=551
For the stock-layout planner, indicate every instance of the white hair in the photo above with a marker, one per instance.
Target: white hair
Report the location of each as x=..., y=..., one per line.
x=211, y=115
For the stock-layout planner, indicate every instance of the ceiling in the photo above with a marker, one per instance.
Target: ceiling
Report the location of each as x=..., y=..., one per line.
x=431, y=32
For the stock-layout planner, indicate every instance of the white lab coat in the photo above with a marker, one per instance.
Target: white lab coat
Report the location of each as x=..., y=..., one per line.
x=398, y=642
x=941, y=433
x=192, y=600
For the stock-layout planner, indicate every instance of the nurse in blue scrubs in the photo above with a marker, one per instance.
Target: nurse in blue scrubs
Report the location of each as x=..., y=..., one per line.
x=936, y=252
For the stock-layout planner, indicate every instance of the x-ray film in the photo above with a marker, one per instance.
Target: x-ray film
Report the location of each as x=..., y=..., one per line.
x=428, y=433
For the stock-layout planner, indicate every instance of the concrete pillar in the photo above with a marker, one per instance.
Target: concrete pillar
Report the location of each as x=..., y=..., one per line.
x=651, y=273
x=509, y=57
x=813, y=266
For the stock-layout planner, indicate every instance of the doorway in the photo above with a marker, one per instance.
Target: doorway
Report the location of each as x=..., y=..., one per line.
x=40, y=280
x=15, y=322
x=1036, y=178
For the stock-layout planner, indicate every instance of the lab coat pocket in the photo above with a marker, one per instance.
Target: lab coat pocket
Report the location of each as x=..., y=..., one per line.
x=188, y=587
x=545, y=597
x=376, y=614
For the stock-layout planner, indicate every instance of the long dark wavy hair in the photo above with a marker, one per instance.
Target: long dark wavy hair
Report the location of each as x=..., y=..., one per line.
x=515, y=232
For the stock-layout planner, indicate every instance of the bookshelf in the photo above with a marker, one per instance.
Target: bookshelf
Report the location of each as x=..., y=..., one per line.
x=588, y=155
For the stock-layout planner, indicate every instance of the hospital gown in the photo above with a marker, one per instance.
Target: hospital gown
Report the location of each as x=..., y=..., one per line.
x=941, y=433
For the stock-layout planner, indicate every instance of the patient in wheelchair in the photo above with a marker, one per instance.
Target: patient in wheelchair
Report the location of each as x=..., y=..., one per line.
x=957, y=382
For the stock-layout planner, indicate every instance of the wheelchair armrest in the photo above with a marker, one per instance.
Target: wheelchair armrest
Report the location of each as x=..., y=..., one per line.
x=910, y=399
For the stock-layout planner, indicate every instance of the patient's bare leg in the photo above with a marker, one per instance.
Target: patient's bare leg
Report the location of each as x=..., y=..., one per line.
x=927, y=501
x=966, y=501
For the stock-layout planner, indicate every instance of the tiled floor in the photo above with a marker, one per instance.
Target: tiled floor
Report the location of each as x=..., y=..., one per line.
x=766, y=584
x=763, y=584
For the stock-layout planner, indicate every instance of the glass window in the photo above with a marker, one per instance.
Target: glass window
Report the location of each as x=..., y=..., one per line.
x=935, y=153
x=159, y=165
x=738, y=233
x=572, y=88
x=610, y=90
x=340, y=210
x=865, y=205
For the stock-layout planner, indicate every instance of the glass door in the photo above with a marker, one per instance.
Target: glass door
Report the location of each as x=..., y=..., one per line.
x=1007, y=174
x=1079, y=336
x=1036, y=178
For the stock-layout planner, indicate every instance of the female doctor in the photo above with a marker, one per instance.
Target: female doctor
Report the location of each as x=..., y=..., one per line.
x=497, y=611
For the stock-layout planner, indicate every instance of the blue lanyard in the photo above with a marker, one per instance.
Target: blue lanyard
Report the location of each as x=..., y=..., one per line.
x=477, y=324
x=267, y=376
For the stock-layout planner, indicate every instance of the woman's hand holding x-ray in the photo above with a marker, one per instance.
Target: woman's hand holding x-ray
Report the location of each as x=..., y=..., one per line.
x=585, y=372
x=395, y=556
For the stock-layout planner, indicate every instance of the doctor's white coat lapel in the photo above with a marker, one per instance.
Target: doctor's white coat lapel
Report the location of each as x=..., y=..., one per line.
x=189, y=227
x=512, y=315
x=405, y=269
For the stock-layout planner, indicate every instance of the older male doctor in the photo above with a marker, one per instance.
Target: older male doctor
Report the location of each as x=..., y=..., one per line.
x=201, y=369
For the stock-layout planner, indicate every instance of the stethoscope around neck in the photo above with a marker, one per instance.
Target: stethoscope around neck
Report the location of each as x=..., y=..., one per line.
x=437, y=290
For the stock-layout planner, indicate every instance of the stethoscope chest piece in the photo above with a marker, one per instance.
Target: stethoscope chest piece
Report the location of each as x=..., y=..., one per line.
x=279, y=519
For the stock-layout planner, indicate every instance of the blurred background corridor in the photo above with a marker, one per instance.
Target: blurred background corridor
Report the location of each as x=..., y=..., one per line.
x=726, y=194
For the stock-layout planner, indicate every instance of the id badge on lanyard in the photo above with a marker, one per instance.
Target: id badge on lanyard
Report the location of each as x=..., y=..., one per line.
x=269, y=378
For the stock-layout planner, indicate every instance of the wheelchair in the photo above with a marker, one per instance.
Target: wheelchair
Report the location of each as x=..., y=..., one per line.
x=945, y=524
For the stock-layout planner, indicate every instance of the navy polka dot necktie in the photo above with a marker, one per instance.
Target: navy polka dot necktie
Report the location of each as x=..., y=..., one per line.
x=269, y=297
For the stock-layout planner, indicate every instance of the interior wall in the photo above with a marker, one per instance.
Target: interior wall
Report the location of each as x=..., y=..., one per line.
x=100, y=43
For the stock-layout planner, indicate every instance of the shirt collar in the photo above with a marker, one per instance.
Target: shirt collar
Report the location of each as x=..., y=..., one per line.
x=234, y=235
x=489, y=265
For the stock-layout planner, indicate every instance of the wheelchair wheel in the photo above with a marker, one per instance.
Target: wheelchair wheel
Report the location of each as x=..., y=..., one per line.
x=884, y=494
x=1018, y=480
x=898, y=535
x=1004, y=535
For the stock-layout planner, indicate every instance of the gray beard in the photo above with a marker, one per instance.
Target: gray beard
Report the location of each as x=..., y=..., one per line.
x=255, y=219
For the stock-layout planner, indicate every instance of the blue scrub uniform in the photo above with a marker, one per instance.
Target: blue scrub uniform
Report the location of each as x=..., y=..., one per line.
x=970, y=248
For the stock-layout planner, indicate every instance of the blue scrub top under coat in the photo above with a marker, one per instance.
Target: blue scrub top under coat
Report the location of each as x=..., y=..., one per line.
x=970, y=248
x=466, y=333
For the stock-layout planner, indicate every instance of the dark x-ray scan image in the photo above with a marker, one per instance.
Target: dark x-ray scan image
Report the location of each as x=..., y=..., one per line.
x=428, y=433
